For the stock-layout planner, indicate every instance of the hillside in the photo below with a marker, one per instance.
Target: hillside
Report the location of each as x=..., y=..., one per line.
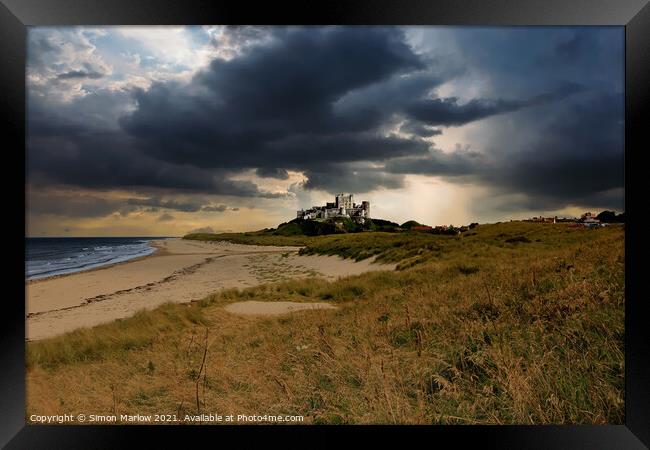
x=294, y=231
x=512, y=323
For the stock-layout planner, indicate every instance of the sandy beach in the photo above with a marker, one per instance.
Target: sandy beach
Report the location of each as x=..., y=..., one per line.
x=180, y=271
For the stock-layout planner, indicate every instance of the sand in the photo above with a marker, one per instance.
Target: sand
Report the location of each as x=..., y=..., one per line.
x=180, y=271
x=253, y=308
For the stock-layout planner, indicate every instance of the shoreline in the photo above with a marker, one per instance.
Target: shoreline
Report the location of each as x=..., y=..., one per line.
x=158, y=251
x=179, y=271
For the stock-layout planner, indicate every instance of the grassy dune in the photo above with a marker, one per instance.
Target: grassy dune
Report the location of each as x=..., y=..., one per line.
x=510, y=323
x=253, y=237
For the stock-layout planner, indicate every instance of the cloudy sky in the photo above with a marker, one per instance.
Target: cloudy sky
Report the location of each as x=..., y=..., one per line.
x=143, y=131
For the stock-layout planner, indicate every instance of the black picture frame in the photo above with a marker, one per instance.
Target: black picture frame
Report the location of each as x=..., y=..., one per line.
x=634, y=15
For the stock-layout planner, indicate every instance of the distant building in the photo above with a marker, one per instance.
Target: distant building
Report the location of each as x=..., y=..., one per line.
x=543, y=219
x=588, y=218
x=343, y=206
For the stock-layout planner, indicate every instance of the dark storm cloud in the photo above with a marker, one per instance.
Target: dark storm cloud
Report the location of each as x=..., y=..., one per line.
x=457, y=163
x=305, y=151
x=80, y=149
x=447, y=111
x=273, y=107
x=214, y=208
x=579, y=155
x=419, y=129
x=572, y=48
x=165, y=217
x=502, y=200
x=69, y=204
x=343, y=178
x=110, y=160
x=80, y=74
x=272, y=172
x=167, y=204
x=73, y=204
x=577, y=160
x=521, y=62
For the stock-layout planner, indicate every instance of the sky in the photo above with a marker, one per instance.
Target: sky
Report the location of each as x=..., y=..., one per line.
x=161, y=131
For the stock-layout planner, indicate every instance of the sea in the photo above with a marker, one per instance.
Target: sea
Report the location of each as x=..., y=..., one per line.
x=48, y=256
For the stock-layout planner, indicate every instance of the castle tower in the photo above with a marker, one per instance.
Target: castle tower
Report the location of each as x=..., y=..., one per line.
x=344, y=201
x=366, y=207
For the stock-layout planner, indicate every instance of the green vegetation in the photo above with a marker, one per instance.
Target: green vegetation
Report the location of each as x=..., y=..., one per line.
x=338, y=225
x=294, y=231
x=511, y=323
x=410, y=224
x=386, y=247
x=611, y=217
x=382, y=225
x=317, y=227
x=114, y=340
x=262, y=237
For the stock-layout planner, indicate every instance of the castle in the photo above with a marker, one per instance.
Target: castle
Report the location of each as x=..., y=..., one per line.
x=343, y=206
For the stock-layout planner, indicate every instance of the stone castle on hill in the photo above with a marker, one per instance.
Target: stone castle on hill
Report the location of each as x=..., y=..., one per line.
x=343, y=206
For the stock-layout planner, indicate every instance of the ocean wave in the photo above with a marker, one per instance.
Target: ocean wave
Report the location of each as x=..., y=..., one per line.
x=68, y=259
